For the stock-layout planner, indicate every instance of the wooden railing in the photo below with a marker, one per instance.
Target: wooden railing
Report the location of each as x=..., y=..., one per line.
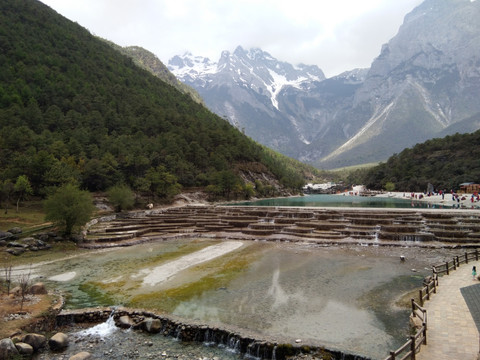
x=420, y=312
x=430, y=283
x=455, y=262
x=409, y=350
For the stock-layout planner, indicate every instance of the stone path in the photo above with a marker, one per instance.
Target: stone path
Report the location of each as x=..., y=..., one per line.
x=452, y=333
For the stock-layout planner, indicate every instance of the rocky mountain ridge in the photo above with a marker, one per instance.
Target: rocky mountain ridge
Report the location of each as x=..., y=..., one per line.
x=423, y=84
x=254, y=68
x=246, y=87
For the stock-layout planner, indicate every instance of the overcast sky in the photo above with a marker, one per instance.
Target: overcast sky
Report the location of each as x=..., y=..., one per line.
x=336, y=35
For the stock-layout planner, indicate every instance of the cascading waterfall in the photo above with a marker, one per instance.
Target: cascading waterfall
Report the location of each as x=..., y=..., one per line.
x=101, y=330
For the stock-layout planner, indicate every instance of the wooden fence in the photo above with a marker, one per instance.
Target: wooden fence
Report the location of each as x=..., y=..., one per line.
x=455, y=262
x=409, y=350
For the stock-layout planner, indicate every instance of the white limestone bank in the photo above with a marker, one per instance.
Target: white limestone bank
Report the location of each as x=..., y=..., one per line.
x=168, y=270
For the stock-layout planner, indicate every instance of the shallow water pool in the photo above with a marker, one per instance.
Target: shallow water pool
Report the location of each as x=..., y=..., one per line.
x=339, y=297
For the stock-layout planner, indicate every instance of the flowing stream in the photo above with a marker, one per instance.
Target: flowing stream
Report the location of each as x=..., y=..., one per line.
x=339, y=297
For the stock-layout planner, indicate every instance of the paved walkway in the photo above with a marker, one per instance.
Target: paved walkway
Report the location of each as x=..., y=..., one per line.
x=452, y=333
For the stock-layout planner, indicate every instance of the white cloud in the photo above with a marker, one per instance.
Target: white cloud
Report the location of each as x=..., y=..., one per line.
x=335, y=35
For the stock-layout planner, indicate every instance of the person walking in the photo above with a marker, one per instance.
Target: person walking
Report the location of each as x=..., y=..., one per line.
x=474, y=272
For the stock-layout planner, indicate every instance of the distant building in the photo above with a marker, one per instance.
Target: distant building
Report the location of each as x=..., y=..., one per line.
x=319, y=188
x=359, y=189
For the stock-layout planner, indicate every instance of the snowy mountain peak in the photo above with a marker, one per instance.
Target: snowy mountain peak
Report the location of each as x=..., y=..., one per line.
x=188, y=67
x=253, y=69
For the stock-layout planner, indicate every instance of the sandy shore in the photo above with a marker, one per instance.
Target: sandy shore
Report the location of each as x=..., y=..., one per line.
x=447, y=200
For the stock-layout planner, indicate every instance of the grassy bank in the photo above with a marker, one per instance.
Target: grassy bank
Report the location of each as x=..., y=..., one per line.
x=30, y=217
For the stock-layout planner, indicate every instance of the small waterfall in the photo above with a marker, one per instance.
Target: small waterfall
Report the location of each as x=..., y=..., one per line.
x=377, y=231
x=178, y=333
x=209, y=338
x=233, y=344
x=101, y=330
x=274, y=353
x=251, y=351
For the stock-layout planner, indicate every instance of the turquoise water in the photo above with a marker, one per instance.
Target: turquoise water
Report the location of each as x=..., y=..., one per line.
x=341, y=201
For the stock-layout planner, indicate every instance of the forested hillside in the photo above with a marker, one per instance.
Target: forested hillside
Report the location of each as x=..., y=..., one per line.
x=445, y=163
x=75, y=110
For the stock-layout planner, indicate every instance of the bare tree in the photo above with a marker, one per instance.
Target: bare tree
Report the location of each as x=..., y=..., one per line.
x=24, y=284
x=7, y=269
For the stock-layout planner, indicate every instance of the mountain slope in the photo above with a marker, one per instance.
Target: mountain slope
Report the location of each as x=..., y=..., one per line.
x=73, y=109
x=425, y=80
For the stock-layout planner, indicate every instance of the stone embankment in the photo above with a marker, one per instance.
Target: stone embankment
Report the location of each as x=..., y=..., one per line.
x=31, y=343
x=390, y=227
x=166, y=326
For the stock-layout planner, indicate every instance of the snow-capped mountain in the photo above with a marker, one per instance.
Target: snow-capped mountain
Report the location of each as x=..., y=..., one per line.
x=425, y=83
x=246, y=88
x=254, y=69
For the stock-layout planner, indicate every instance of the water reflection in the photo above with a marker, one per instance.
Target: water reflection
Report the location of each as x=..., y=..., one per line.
x=280, y=297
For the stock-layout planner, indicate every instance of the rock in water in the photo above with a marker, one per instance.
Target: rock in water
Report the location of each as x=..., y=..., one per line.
x=125, y=322
x=84, y=355
x=59, y=341
x=150, y=325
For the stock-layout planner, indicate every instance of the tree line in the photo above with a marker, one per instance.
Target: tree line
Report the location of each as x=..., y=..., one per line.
x=443, y=162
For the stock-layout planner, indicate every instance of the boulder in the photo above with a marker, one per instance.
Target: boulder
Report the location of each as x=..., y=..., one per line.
x=7, y=349
x=5, y=235
x=84, y=355
x=150, y=325
x=24, y=348
x=42, y=236
x=40, y=243
x=37, y=341
x=16, y=244
x=38, y=289
x=59, y=341
x=15, y=230
x=29, y=241
x=125, y=322
x=3, y=242
x=15, y=251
